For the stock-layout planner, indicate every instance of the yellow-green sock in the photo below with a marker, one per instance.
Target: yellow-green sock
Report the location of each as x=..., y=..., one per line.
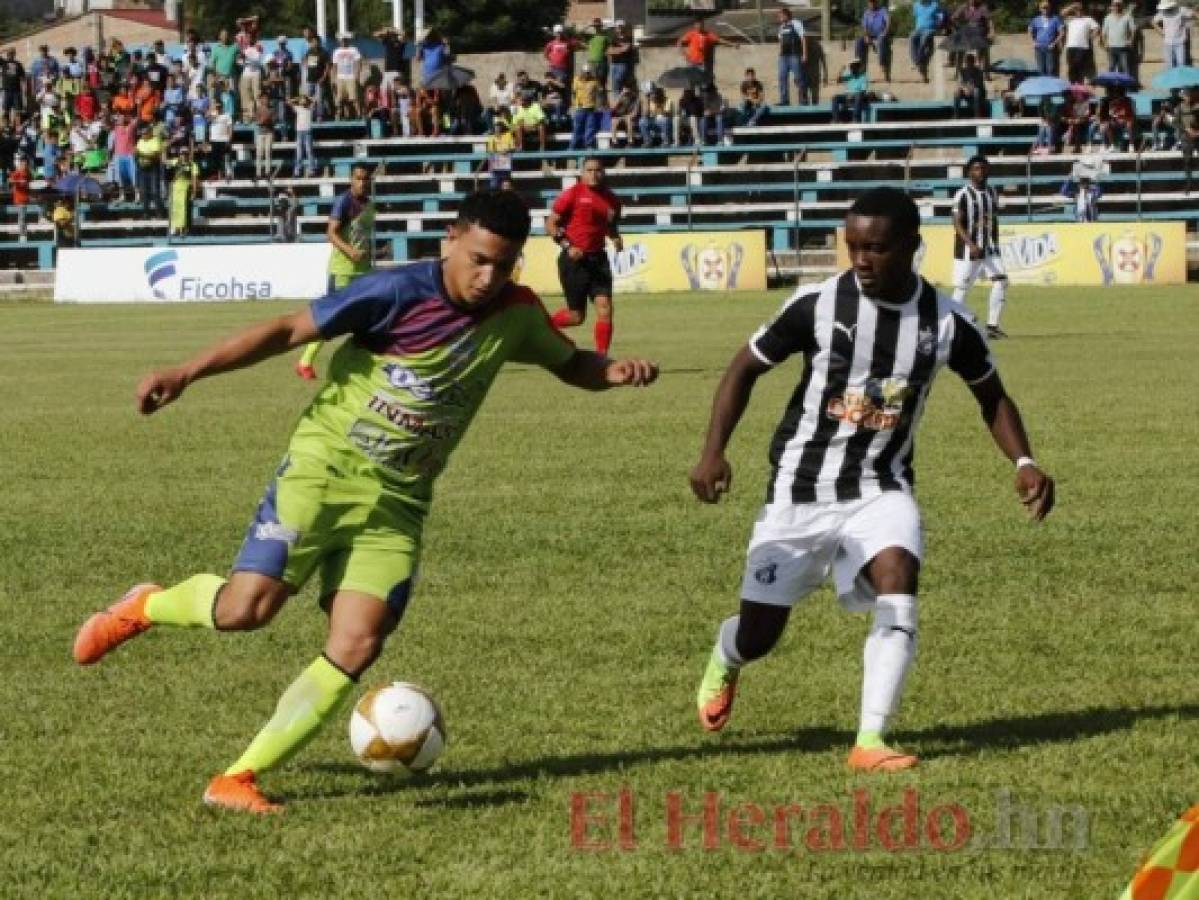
x=304, y=707
x=310, y=353
x=189, y=603
x=872, y=740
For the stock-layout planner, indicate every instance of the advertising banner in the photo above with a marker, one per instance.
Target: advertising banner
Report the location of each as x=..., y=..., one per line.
x=1066, y=253
x=183, y=274
x=649, y=263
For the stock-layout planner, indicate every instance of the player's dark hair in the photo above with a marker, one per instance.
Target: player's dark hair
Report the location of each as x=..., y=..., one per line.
x=502, y=213
x=889, y=203
x=977, y=158
x=360, y=165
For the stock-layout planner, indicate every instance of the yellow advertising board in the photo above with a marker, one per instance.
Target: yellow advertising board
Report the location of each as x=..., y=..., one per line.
x=1066, y=253
x=649, y=263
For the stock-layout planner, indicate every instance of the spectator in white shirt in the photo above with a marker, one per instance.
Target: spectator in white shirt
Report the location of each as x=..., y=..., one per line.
x=347, y=66
x=1172, y=23
x=1081, y=31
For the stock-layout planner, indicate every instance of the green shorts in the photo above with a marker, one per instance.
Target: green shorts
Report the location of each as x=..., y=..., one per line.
x=325, y=514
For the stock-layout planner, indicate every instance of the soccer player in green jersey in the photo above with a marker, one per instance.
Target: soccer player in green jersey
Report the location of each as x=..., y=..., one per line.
x=349, y=500
x=351, y=233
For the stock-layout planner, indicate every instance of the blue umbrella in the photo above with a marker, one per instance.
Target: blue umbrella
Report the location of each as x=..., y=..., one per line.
x=1014, y=67
x=1042, y=86
x=78, y=185
x=1115, y=79
x=1178, y=77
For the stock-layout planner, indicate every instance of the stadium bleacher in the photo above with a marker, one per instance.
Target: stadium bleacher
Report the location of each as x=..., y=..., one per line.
x=793, y=178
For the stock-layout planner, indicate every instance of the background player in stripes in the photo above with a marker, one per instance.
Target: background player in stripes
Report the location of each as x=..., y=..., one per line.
x=976, y=242
x=580, y=220
x=425, y=344
x=873, y=338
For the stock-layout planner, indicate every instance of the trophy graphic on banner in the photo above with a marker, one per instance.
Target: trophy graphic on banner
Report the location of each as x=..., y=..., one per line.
x=1128, y=259
x=712, y=267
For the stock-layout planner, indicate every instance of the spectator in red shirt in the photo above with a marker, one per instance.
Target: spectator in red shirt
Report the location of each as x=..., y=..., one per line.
x=86, y=105
x=560, y=54
x=1121, y=120
x=698, y=46
x=18, y=182
x=580, y=220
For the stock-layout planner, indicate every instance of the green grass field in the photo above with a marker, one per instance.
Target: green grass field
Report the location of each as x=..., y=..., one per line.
x=571, y=590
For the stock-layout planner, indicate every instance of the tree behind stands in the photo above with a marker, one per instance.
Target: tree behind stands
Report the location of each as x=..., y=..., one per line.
x=472, y=26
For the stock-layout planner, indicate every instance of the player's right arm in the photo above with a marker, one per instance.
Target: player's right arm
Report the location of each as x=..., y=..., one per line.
x=712, y=475
x=247, y=347
x=791, y=331
x=959, y=225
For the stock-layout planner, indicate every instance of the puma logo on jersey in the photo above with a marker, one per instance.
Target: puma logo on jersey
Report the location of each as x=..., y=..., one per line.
x=850, y=331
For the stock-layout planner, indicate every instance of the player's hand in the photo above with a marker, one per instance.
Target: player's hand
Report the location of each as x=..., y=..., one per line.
x=574, y=253
x=1035, y=490
x=631, y=372
x=710, y=478
x=359, y=254
x=158, y=389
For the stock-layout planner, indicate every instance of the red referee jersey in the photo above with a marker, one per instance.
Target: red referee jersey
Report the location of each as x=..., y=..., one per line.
x=587, y=215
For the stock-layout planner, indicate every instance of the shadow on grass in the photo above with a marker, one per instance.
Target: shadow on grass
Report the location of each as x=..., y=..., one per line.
x=809, y=740
x=1042, y=728
x=939, y=741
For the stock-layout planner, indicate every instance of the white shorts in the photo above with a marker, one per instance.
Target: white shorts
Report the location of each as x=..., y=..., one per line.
x=966, y=271
x=794, y=546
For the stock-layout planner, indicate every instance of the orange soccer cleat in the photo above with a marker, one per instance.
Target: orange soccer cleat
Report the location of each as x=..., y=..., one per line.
x=239, y=792
x=107, y=630
x=879, y=759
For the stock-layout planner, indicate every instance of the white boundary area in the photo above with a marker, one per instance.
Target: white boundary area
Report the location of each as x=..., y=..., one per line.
x=191, y=273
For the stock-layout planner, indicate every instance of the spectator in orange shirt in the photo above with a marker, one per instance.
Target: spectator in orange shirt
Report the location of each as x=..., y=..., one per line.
x=124, y=103
x=1121, y=121
x=147, y=102
x=698, y=46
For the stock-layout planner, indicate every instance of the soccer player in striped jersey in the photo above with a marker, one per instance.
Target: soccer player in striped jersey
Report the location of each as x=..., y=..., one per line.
x=349, y=500
x=976, y=242
x=840, y=497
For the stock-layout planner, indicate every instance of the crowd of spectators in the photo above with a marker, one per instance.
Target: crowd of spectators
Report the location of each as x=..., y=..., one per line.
x=153, y=125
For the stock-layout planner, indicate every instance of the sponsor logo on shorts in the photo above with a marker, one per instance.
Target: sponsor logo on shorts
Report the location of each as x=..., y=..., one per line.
x=877, y=406
x=410, y=420
x=273, y=531
x=767, y=574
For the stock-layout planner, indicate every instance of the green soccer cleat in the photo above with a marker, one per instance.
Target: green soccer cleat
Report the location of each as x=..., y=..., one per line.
x=716, y=693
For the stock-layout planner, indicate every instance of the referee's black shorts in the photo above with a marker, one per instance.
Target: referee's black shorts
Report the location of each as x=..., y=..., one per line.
x=584, y=279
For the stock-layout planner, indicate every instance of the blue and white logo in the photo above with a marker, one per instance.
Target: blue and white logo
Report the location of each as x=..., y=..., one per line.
x=159, y=268
x=404, y=378
x=170, y=280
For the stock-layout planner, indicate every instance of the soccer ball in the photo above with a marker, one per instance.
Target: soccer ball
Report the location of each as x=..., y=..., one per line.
x=397, y=726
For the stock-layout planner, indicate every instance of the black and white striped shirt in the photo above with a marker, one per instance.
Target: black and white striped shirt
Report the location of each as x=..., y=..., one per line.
x=978, y=211
x=868, y=365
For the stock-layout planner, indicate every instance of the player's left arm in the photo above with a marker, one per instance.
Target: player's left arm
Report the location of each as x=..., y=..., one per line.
x=614, y=231
x=970, y=358
x=1034, y=487
x=594, y=372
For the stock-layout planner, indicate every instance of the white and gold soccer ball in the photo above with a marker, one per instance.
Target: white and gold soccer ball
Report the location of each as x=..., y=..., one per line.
x=397, y=726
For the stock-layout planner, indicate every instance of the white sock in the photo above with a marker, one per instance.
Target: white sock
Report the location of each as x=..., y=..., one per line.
x=726, y=642
x=890, y=648
x=959, y=294
x=995, y=304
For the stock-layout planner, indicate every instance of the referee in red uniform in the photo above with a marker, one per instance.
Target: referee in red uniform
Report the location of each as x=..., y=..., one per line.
x=580, y=219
